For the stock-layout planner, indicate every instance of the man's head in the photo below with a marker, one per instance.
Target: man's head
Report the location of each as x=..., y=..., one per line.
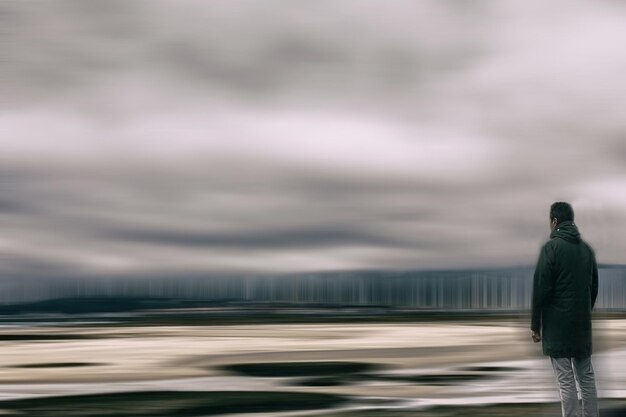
x=560, y=212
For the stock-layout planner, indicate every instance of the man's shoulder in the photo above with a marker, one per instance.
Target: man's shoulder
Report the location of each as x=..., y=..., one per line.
x=589, y=247
x=555, y=242
x=551, y=243
x=548, y=249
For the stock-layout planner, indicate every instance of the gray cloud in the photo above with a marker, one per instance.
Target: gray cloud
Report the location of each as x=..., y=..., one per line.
x=213, y=136
x=11, y=206
x=303, y=238
x=225, y=47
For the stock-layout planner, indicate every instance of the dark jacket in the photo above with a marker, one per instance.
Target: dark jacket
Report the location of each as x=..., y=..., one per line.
x=565, y=288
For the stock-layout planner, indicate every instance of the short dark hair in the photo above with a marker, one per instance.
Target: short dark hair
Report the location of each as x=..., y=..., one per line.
x=562, y=211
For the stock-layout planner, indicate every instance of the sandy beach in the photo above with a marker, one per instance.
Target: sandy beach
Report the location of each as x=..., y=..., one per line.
x=466, y=362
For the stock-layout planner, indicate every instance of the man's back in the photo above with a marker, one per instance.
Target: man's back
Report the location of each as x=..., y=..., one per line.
x=564, y=293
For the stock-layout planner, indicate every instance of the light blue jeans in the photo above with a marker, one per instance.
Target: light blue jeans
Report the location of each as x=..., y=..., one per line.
x=570, y=372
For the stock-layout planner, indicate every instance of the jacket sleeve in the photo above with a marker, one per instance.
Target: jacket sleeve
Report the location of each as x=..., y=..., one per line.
x=594, y=282
x=543, y=283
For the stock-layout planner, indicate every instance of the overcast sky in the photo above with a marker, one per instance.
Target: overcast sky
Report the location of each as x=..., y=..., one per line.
x=279, y=136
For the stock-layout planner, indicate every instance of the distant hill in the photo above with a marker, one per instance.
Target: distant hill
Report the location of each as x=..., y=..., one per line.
x=105, y=305
x=453, y=289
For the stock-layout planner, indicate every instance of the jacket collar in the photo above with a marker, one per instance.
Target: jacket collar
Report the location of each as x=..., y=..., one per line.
x=566, y=230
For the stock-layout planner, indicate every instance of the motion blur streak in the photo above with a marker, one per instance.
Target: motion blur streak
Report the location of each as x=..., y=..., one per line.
x=332, y=206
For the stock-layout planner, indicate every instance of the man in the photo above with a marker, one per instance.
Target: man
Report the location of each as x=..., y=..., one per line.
x=565, y=288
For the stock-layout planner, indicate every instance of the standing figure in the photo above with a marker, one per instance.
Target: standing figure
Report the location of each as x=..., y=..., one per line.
x=565, y=288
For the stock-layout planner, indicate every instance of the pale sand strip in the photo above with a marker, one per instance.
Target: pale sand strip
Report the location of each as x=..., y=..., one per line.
x=156, y=353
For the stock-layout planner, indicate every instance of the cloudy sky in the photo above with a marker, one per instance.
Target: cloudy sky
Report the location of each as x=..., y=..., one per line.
x=144, y=137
